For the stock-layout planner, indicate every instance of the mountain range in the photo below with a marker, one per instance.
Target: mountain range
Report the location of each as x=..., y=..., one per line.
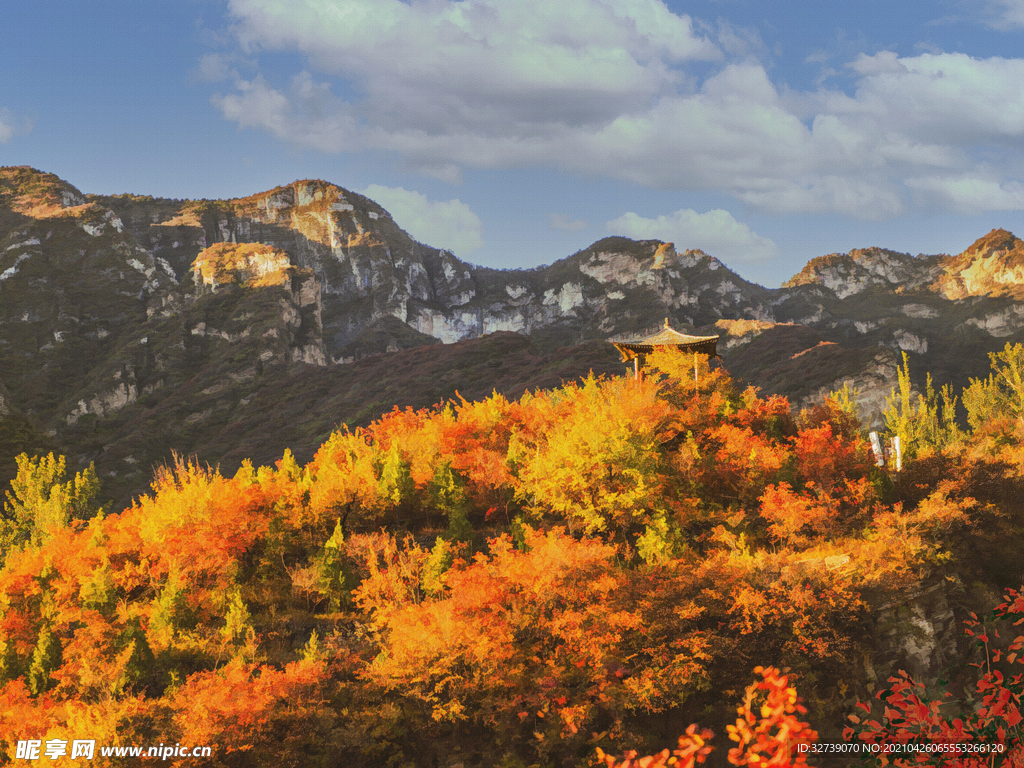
x=133, y=326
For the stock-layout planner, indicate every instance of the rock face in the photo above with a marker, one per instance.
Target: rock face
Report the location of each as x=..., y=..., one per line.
x=847, y=274
x=919, y=635
x=122, y=314
x=947, y=312
x=368, y=268
x=992, y=266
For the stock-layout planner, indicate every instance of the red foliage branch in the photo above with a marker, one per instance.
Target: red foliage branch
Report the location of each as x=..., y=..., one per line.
x=988, y=728
x=768, y=732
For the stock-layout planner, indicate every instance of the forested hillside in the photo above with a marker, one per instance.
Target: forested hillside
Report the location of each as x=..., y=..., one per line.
x=132, y=327
x=579, y=572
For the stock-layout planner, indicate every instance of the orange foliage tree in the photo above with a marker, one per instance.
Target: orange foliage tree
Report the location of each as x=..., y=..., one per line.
x=529, y=643
x=558, y=571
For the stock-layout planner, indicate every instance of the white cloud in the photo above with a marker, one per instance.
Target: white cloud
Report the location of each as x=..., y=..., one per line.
x=947, y=99
x=478, y=64
x=308, y=114
x=566, y=223
x=601, y=88
x=971, y=194
x=739, y=42
x=881, y=62
x=11, y=125
x=484, y=83
x=214, y=67
x=451, y=225
x=715, y=232
x=1005, y=14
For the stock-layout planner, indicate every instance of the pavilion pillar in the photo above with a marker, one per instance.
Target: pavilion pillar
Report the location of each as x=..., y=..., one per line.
x=666, y=339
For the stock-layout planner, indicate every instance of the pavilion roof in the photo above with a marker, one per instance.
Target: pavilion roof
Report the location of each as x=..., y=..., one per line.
x=667, y=337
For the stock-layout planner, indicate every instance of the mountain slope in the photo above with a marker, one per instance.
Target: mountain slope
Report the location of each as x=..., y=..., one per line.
x=132, y=326
x=948, y=312
x=368, y=268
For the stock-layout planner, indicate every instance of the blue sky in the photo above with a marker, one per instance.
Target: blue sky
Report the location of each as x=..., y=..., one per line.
x=515, y=132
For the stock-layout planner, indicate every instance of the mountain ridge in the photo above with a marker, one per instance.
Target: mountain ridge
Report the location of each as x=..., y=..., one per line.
x=119, y=311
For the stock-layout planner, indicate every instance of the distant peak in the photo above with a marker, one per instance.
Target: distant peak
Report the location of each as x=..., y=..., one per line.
x=656, y=249
x=996, y=240
x=310, y=194
x=999, y=244
x=992, y=265
x=35, y=193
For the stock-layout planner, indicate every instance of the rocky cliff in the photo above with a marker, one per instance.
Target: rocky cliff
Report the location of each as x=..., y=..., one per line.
x=368, y=268
x=946, y=311
x=131, y=325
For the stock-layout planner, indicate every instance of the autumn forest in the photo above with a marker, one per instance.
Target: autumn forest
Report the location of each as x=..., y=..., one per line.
x=613, y=573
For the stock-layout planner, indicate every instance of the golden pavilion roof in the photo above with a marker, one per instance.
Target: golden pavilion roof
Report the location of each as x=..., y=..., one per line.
x=667, y=337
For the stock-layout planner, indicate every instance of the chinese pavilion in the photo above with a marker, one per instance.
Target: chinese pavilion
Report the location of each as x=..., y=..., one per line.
x=667, y=338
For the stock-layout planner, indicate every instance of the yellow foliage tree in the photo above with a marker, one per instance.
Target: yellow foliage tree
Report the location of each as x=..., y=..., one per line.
x=42, y=499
